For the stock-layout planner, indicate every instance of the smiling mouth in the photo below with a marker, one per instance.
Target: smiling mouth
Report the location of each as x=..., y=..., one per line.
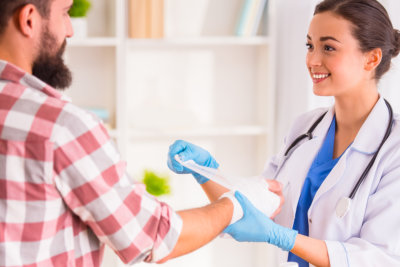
x=319, y=77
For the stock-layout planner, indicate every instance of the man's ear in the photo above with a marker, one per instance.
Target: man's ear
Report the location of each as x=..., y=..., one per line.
x=28, y=20
x=373, y=58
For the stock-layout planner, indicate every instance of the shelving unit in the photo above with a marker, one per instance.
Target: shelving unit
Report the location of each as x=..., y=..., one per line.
x=200, y=83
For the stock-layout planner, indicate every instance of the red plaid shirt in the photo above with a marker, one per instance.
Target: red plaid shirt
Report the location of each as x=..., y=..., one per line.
x=64, y=192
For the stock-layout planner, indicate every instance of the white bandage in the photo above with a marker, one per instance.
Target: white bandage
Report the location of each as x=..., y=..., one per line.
x=257, y=192
x=237, y=208
x=256, y=189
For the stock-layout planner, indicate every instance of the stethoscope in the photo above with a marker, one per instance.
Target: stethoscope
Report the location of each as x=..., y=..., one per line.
x=343, y=205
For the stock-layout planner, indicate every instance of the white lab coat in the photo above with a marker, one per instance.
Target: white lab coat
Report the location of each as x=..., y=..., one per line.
x=369, y=235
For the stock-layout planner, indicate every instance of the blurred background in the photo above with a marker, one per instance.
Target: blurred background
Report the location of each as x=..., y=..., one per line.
x=228, y=75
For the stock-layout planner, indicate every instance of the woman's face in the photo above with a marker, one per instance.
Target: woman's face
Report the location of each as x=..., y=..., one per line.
x=334, y=60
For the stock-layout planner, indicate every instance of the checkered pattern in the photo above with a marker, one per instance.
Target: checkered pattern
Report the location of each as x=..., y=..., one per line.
x=64, y=192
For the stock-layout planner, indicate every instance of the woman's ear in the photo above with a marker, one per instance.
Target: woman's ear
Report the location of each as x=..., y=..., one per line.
x=27, y=19
x=373, y=58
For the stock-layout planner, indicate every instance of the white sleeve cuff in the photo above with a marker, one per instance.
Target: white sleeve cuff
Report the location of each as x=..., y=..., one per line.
x=337, y=254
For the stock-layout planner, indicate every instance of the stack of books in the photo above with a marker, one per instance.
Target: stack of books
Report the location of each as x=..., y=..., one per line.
x=146, y=18
x=250, y=17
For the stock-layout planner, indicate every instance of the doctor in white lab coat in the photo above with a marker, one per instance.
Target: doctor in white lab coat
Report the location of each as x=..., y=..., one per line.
x=350, y=46
x=369, y=234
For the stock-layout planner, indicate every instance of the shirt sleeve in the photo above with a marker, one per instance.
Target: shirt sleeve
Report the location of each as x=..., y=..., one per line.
x=93, y=182
x=378, y=241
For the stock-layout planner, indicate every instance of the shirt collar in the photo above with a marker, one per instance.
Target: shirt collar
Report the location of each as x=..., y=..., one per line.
x=371, y=132
x=12, y=73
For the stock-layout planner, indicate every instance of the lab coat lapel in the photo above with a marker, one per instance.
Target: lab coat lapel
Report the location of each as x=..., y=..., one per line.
x=373, y=130
x=366, y=142
x=333, y=177
x=301, y=159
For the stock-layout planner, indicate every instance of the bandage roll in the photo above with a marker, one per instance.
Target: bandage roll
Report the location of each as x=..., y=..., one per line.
x=255, y=188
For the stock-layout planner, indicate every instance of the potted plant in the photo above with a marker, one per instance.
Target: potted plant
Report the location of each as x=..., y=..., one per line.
x=78, y=14
x=156, y=184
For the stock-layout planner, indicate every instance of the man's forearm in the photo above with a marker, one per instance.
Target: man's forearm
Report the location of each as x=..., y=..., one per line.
x=213, y=190
x=201, y=225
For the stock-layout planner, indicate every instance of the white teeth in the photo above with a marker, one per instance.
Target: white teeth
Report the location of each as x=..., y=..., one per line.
x=320, y=76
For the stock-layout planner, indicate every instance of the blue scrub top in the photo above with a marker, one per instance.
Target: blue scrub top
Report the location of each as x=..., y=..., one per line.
x=319, y=170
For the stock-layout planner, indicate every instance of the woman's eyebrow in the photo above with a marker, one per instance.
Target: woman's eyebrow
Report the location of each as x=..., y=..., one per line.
x=324, y=38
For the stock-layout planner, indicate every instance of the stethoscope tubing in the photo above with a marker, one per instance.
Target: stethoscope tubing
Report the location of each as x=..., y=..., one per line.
x=385, y=137
x=360, y=180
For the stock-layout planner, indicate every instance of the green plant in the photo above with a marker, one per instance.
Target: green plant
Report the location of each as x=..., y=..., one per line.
x=79, y=8
x=156, y=185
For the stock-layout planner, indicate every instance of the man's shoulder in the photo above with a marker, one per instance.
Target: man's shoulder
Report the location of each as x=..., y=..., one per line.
x=73, y=116
x=74, y=122
x=44, y=111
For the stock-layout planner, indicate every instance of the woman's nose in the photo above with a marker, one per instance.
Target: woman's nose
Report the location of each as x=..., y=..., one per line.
x=313, y=59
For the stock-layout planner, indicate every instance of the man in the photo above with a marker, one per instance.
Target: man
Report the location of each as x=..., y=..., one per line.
x=64, y=192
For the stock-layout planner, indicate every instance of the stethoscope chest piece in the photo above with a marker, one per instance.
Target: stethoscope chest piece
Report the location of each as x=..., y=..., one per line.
x=343, y=206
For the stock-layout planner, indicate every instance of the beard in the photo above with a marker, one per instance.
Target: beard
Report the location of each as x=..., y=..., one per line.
x=50, y=67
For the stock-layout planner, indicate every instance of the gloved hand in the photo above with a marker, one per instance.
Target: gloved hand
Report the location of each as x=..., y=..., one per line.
x=188, y=151
x=257, y=227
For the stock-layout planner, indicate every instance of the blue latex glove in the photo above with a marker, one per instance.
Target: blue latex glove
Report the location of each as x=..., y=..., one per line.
x=255, y=226
x=188, y=151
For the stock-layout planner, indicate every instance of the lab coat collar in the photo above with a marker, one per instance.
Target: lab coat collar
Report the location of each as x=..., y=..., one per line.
x=371, y=133
x=373, y=130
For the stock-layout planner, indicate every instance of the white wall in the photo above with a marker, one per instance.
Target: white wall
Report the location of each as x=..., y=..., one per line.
x=390, y=83
x=294, y=87
x=292, y=80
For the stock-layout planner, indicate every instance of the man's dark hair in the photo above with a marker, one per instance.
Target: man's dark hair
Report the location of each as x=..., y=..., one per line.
x=9, y=7
x=371, y=27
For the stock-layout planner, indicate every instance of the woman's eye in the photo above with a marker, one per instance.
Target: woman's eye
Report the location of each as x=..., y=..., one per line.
x=329, y=48
x=309, y=46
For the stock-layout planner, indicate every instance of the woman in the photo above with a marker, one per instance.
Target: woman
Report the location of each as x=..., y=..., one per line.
x=350, y=46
